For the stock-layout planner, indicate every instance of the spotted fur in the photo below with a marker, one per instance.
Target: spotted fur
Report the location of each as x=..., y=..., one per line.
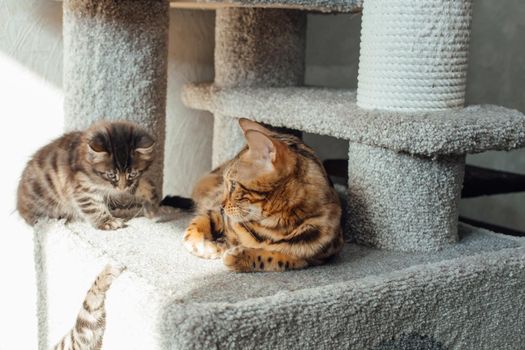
x=271, y=208
x=90, y=175
x=88, y=332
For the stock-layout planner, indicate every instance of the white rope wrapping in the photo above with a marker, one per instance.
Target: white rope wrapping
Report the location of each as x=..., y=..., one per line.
x=414, y=54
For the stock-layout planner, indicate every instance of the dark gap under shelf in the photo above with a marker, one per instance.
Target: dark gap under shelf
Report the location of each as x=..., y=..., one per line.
x=478, y=181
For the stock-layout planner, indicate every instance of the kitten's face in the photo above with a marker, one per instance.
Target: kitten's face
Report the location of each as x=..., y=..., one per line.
x=254, y=174
x=119, y=153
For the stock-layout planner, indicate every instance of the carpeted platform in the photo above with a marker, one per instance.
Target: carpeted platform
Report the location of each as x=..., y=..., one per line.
x=326, y=6
x=193, y=303
x=335, y=113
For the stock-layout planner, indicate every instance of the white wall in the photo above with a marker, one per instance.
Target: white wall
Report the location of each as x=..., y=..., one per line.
x=31, y=114
x=189, y=132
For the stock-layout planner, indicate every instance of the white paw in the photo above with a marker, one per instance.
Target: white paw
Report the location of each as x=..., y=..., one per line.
x=204, y=248
x=111, y=224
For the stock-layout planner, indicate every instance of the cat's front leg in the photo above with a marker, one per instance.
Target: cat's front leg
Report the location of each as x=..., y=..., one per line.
x=94, y=209
x=242, y=259
x=198, y=238
x=147, y=195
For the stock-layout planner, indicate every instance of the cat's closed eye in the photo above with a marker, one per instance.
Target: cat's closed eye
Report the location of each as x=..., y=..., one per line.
x=112, y=175
x=132, y=174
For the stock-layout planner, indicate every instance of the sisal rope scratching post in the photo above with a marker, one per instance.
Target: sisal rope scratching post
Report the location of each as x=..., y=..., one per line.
x=115, y=65
x=414, y=54
x=254, y=47
x=413, y=59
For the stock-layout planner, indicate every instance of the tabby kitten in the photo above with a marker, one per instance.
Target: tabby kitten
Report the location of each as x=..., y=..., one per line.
x=271, y=208
x=90, y=174
x=88, y=332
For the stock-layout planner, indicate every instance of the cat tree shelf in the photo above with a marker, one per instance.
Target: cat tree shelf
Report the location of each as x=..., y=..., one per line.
x=327, y=6
x=335, y=113
x=171, y=299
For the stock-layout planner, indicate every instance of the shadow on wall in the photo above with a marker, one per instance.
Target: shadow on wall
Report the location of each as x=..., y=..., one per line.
x=189, y=132
x=496, y=75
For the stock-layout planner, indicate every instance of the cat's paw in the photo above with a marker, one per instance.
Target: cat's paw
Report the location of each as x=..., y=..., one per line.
x=204, y=248
x=111, y=224
x=237, y=259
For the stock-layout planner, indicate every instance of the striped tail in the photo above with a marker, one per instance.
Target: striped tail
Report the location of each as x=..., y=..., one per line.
x=88, y=332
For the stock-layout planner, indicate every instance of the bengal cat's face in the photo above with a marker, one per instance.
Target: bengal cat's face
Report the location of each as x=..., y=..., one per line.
x=254, y=174
x=119, y=153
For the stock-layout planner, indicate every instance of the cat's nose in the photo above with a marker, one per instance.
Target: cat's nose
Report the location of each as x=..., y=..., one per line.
x=122, y=183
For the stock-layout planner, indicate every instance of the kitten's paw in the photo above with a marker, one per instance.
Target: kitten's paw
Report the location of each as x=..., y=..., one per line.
x=237, y=259
x=204, y=248
x=111, y=224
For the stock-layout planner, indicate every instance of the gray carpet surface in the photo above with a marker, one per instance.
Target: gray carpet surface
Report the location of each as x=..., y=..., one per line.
x=335, y=113
x=168, y=299
x=327, y=6
x=115, y=65
x=155, y=253
x=271, y=54
x=402, y=202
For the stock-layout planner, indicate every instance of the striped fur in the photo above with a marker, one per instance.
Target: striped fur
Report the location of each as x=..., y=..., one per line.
x=87, y=175
x=271, y=208
x=88, y=332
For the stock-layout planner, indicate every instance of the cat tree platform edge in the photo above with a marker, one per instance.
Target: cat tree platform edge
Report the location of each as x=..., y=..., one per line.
x=334, y=112
x=458, y=298
x=325, y=6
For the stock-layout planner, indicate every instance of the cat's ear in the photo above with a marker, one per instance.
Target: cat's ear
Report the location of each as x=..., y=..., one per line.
x=145, y=145
x=96, y=147
x=247, y=124
x=262, y=147
x=96, y=151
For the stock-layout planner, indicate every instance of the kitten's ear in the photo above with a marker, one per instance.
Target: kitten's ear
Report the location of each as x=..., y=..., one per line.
x=261, y=146
x=96, y=147
x=145, y=145
x=96, y=151
x=247, y=124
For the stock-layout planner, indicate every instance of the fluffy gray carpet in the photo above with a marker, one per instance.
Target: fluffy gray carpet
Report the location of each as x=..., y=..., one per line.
x=335, y=113
x=402, y=202
x=115, y=65
x=169, y=299
x=271, y=54
x=327, y=6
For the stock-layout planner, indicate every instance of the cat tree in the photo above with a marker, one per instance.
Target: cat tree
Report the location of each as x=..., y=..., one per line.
x=416, y=279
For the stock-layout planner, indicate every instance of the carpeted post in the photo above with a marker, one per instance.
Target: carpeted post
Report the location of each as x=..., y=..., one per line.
x=115, y=57
x=254, y=47
x=413, y=59
x=402, y=202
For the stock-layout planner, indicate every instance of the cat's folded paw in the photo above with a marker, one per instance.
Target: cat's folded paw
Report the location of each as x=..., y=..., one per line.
x=111, y=224
x=204, y=248
x=237, y=259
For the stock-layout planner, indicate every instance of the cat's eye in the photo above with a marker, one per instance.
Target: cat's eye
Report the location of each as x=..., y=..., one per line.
x=112, y=176
x=132, y=174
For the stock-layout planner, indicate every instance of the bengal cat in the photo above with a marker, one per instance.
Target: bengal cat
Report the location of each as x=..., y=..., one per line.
x=88, y=332
x=90, y=175
x=271, y=208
